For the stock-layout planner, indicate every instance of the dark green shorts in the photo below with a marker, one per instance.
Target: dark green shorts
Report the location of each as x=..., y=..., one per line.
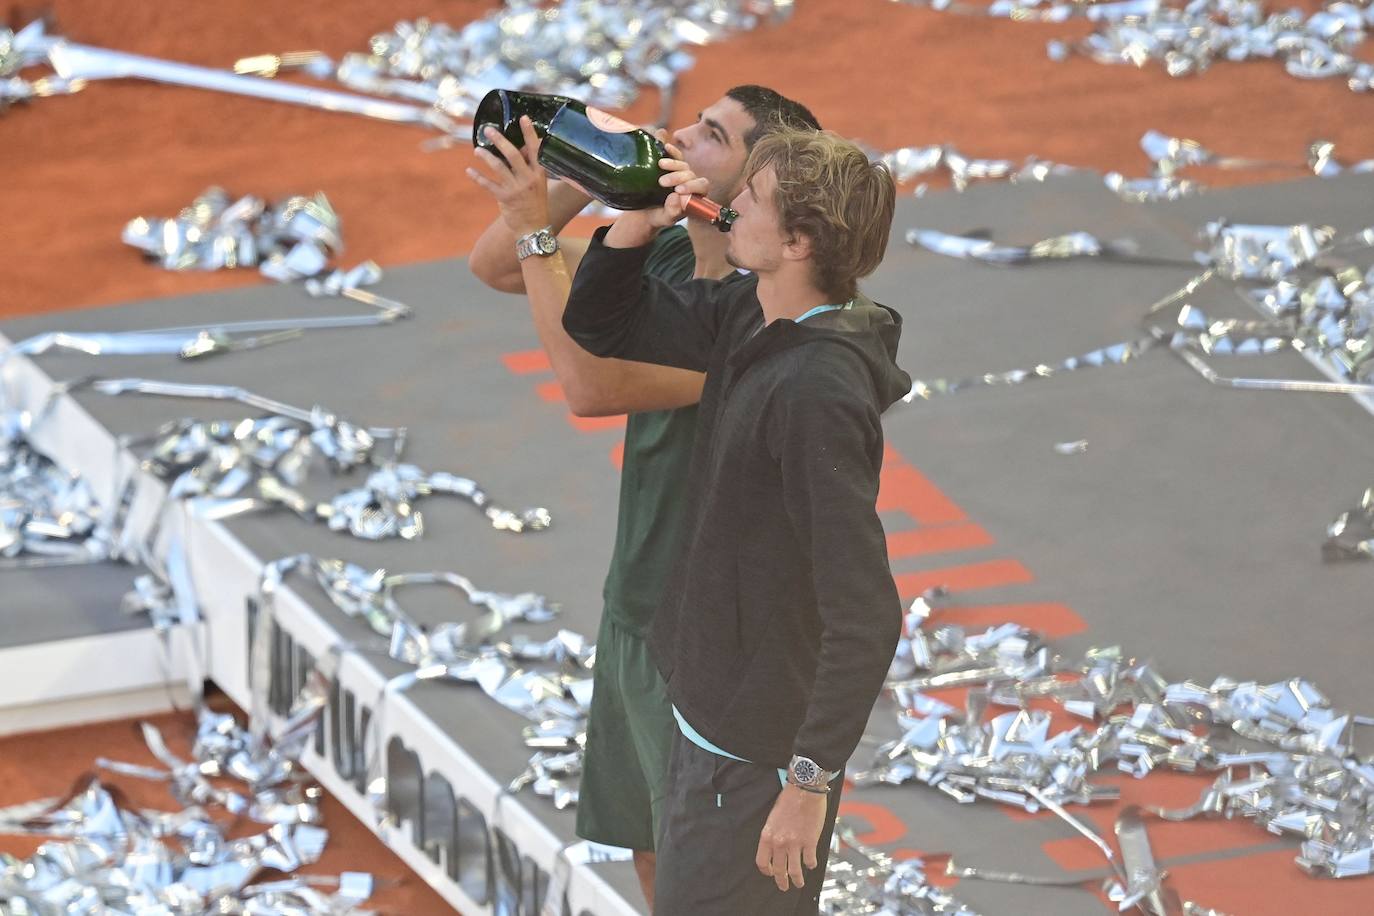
x=629, y=740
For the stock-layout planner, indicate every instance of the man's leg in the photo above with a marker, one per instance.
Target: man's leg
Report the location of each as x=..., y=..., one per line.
x=644, y=870
x=713, y=815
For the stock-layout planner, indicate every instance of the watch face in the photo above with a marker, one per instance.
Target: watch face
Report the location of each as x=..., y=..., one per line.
x=546, y=243
x=805, y=772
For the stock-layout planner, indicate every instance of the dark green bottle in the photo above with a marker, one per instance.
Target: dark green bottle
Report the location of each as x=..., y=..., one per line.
x=615, y=162
x=502, y=108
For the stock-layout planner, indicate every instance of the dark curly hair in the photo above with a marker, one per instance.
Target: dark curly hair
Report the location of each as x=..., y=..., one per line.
x=771, y=110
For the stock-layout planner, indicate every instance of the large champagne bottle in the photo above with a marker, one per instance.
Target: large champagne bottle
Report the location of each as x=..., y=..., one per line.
x=502, y=109
x=615, y=162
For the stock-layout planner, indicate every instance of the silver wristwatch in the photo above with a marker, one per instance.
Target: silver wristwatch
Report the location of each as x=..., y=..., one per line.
x=807, y=774
x=541, y=242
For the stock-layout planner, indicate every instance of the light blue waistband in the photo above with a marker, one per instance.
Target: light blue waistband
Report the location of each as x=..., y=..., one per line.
x=694, y=736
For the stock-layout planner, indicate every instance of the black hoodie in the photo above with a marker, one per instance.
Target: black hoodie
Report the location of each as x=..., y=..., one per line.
x=781, y=618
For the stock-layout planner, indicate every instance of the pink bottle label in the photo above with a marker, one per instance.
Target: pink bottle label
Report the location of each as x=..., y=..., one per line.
x=608, y=122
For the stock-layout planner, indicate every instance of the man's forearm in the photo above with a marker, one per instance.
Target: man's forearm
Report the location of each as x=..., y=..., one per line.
x=495, y=249
x=547, y=283
x=630, y=230
x=595, y=386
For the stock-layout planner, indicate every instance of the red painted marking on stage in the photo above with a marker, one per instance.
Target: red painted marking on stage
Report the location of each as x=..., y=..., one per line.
x=937, y=540
x=933, y=864
x=552, y=392
x=901, y=486
x=965, y=578
x=884, y=826
x=596, y=424
x=1168, y=839
x=527, y=362
x=1053, y=620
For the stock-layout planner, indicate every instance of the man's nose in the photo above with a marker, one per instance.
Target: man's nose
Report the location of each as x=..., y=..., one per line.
x=681, y=138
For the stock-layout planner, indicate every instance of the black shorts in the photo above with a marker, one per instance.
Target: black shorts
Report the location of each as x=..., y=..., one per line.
x=713, y=813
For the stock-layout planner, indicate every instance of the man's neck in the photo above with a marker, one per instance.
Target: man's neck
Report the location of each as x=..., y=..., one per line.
x=787, y=294
x=708, y=245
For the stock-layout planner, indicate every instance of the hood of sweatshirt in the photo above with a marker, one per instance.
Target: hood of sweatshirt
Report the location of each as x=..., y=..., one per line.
x=871, y=329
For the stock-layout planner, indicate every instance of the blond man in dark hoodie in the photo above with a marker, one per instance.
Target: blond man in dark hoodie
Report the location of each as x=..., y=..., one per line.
x=783, y=616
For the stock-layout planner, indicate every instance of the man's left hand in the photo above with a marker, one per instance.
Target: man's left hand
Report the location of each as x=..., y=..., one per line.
x=516, y=179
x=789, y=838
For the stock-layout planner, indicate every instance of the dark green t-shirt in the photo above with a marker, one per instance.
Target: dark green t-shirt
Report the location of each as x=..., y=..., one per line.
x=653, y=480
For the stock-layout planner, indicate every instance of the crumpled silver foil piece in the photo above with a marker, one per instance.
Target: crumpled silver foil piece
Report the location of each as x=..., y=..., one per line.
x=106, y=857
x=371, y=595
x=976, y=247
x=292, y=240
x=1302, y=278
x=16, y=53
x=265, y=462
x=600, y=53
x=860, y=879
x=384, y=506
x=17, y=50
x=548, y=682
x=1285, y=755
x=1351, y=535
x=1265, y=252
x=47, y=515
x=255, y=463
x=1189, y=38
x=911, y=162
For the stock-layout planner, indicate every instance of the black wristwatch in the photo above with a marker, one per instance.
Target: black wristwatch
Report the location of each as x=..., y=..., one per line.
x=541, y=242
x=806, y=774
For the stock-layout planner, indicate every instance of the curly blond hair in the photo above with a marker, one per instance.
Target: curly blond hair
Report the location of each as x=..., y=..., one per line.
x=829, y=192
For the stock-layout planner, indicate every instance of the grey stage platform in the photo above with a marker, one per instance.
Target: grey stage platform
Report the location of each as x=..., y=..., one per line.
x=1188, y=531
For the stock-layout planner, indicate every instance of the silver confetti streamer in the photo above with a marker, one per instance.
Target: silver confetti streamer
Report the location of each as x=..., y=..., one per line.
x=102, y=856
x=1187, y=38
x=1114, y=355
x=74, y=65
x=1351, y=535
x=47, y=515
x=1169, y=158
x=256, y=463
x=547, y=682
x=1305, y=776
x=600, y=53
x=860, y=879
x=977, y=247
x=292, y=240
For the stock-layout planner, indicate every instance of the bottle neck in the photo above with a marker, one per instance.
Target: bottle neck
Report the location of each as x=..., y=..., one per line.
x=704, y=209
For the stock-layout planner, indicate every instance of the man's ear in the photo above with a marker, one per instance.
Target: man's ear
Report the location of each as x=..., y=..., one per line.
x=796, y=247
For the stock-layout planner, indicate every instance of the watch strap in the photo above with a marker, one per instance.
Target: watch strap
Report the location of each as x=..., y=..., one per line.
x=528, y=244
